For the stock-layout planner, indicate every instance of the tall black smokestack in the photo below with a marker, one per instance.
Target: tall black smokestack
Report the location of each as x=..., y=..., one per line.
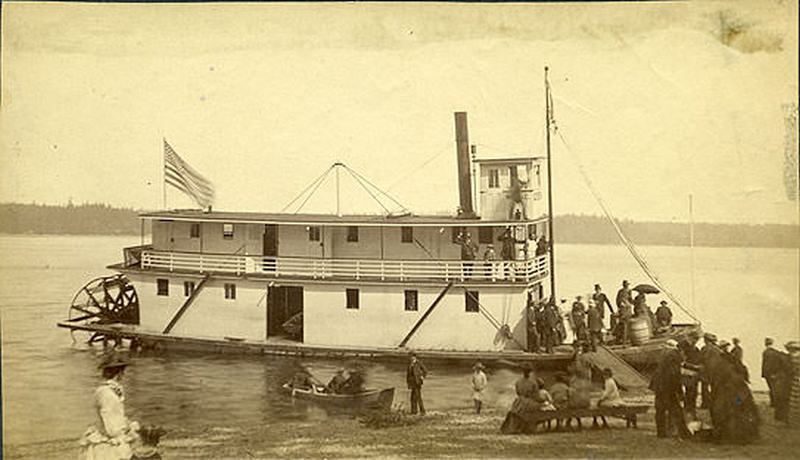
x=464, y=179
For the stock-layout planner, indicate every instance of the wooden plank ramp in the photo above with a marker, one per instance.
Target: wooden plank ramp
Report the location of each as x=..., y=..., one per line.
x=624, y=374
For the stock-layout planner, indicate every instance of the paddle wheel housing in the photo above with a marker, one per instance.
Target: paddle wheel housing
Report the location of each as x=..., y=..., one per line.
x=105, y=300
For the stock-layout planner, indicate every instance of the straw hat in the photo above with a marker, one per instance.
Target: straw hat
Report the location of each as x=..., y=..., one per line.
x=671, y=343
x=709, y=337
x=478, y=365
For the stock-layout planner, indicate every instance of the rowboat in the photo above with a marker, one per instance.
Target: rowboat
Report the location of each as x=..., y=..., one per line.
x=368, y=399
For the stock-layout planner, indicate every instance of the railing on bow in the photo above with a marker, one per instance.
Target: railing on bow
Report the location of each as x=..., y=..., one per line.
x=354, y=269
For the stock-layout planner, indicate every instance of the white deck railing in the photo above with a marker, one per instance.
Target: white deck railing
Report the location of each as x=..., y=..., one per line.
x=357, y=269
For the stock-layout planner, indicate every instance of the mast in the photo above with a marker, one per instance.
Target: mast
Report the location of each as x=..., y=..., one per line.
x=547, y=117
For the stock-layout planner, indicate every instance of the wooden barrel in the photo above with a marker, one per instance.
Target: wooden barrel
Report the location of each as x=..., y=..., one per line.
x=639, y=330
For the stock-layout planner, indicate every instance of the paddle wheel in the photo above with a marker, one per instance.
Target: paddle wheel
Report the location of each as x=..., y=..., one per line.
x=104, y=300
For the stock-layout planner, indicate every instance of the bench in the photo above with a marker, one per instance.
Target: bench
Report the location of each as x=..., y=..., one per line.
x=628, y=413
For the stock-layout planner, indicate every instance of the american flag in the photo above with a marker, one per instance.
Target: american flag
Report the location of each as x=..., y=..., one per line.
x=183, y=177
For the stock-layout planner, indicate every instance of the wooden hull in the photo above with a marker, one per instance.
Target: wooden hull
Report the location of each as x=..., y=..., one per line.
x=642, y=357
x=369, y=399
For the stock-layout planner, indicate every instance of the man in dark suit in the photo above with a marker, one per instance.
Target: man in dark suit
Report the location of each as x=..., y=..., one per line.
x=666, y=384
x=771, y=363
x=415, y=374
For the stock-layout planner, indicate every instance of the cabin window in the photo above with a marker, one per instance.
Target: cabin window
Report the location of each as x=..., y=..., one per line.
x=485, y=235
x=352, y=299
x=230, y=291
x=162, y=286
x=407, y=234
x=532, y=232
x=194, y=231
x=227, y=231
x=471, y=299
x=456, y=231
x=411, y=300
x=188, y=288
x=313, y=233
x=352, y=234
x=494, y=178
x=537, y=175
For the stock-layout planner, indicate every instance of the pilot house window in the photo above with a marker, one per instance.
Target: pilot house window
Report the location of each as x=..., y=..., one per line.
x=494, y=178
x=194, y=231
x=313, y=233
x=227, y=231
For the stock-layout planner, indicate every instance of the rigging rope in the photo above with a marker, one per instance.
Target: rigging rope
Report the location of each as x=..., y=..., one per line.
x=628, y=243
x=350, y=171
x=376, y=188
x=321, y=176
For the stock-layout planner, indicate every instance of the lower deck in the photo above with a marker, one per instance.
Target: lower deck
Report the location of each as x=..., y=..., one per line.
x=642, y=357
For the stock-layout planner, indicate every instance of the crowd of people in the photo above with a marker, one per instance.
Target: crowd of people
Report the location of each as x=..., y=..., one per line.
x=515, y=245
x=587, y=321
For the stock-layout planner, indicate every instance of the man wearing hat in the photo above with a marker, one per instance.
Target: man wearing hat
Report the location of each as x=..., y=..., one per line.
x=770, y=367
x=578, y=317
x=601, y=300
x=112, y=433
x=709, y=349
x=667, y=386
x=415, y=374
x=663, y=316
x=479, y=382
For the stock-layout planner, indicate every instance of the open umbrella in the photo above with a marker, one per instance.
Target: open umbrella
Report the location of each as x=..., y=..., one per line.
x=646, y=289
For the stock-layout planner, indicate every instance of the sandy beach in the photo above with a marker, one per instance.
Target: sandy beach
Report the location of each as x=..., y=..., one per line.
x=451, y=434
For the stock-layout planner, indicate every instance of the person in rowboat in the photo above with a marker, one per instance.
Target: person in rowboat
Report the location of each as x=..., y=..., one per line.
x=338, y=381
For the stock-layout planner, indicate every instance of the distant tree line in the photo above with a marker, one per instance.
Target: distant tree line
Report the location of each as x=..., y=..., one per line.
x=572, y=228
x=102, y=219
x=83, y=219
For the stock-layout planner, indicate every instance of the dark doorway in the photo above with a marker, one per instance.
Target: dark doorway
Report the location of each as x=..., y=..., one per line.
x=285, y=312
x=271, y=240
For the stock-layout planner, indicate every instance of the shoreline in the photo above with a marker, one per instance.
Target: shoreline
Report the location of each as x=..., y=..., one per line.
x=452, y=434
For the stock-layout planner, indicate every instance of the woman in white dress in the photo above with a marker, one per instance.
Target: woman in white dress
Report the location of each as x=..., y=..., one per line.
x=111, y=436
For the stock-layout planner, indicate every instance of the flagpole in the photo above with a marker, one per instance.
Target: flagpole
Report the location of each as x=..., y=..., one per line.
x=164, y=171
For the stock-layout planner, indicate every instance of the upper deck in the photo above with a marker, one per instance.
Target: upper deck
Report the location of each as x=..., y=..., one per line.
x=361, y=247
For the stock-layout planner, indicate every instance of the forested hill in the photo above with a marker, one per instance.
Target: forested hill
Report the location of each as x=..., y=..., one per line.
x=101, y=219
x=596, y=229
x=84, y=219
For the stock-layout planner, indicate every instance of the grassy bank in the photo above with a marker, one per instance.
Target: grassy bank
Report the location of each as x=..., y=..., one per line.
x=454, y=434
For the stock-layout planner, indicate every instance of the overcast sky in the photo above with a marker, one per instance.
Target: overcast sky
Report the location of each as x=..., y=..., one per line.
x=656, y=101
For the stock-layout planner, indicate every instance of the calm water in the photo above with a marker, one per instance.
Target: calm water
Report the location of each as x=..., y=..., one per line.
x=48, y=382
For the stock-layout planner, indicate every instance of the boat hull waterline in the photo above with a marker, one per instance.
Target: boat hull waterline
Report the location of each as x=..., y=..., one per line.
x=641, y=357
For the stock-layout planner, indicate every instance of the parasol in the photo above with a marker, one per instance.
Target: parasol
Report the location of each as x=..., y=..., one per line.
x=646, y=289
